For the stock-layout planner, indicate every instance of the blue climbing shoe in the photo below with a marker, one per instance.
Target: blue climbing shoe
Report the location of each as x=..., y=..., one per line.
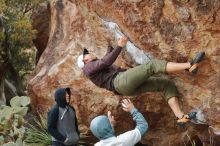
x=194, y=63
x=186, y=118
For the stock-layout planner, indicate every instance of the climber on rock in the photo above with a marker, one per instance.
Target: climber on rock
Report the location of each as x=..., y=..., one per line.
x=140, y=79
x=103, y=128
x=62, y=121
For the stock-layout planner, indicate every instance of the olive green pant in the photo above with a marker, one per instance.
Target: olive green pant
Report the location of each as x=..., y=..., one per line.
x=140, y=79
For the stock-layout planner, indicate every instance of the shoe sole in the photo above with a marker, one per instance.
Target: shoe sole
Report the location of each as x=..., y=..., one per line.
x=199, y=57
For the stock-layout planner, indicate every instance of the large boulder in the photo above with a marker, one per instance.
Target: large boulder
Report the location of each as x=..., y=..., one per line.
x=165, y=29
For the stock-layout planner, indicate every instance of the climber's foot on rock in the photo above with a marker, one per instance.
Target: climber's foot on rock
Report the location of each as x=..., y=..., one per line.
x=195, y=62
x=186, y=118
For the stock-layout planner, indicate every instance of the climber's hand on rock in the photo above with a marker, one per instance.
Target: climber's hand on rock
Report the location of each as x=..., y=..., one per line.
x=122, y=41
x=127, y=105
x=111, y=119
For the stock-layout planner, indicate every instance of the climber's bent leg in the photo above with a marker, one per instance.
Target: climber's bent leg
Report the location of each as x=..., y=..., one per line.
x=171, y=94
x=191, y=66
x=158, y=84
x=182, y=118
x=127, y=82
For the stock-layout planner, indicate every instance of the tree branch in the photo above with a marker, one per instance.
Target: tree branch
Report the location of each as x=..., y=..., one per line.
x=27, y=8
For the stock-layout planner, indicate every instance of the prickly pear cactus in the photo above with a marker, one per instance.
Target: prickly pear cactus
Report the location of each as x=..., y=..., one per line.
x=12, y=120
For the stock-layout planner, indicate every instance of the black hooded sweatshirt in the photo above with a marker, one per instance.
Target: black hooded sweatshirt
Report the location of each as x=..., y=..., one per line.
x=62, y=121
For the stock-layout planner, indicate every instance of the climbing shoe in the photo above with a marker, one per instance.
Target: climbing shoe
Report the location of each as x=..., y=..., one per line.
x=186, y=118
x=194, y=63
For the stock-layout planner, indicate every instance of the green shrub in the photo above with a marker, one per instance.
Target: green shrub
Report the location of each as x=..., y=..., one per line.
x=37, y=132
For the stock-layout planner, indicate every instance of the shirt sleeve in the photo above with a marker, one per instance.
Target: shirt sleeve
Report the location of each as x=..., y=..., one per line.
x=130, y=138
x=100, y=64
x=109, y=49
x=141, y=123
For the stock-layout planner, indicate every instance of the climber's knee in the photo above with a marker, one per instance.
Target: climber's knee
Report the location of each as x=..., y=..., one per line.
x=157, y=66
x=170, y=90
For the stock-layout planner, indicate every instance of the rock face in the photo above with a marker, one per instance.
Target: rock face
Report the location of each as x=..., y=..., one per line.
x=41, y=22
x=166, y=29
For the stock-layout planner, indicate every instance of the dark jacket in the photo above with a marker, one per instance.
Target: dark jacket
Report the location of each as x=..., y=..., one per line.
x=62, y=121
x=102, y=71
